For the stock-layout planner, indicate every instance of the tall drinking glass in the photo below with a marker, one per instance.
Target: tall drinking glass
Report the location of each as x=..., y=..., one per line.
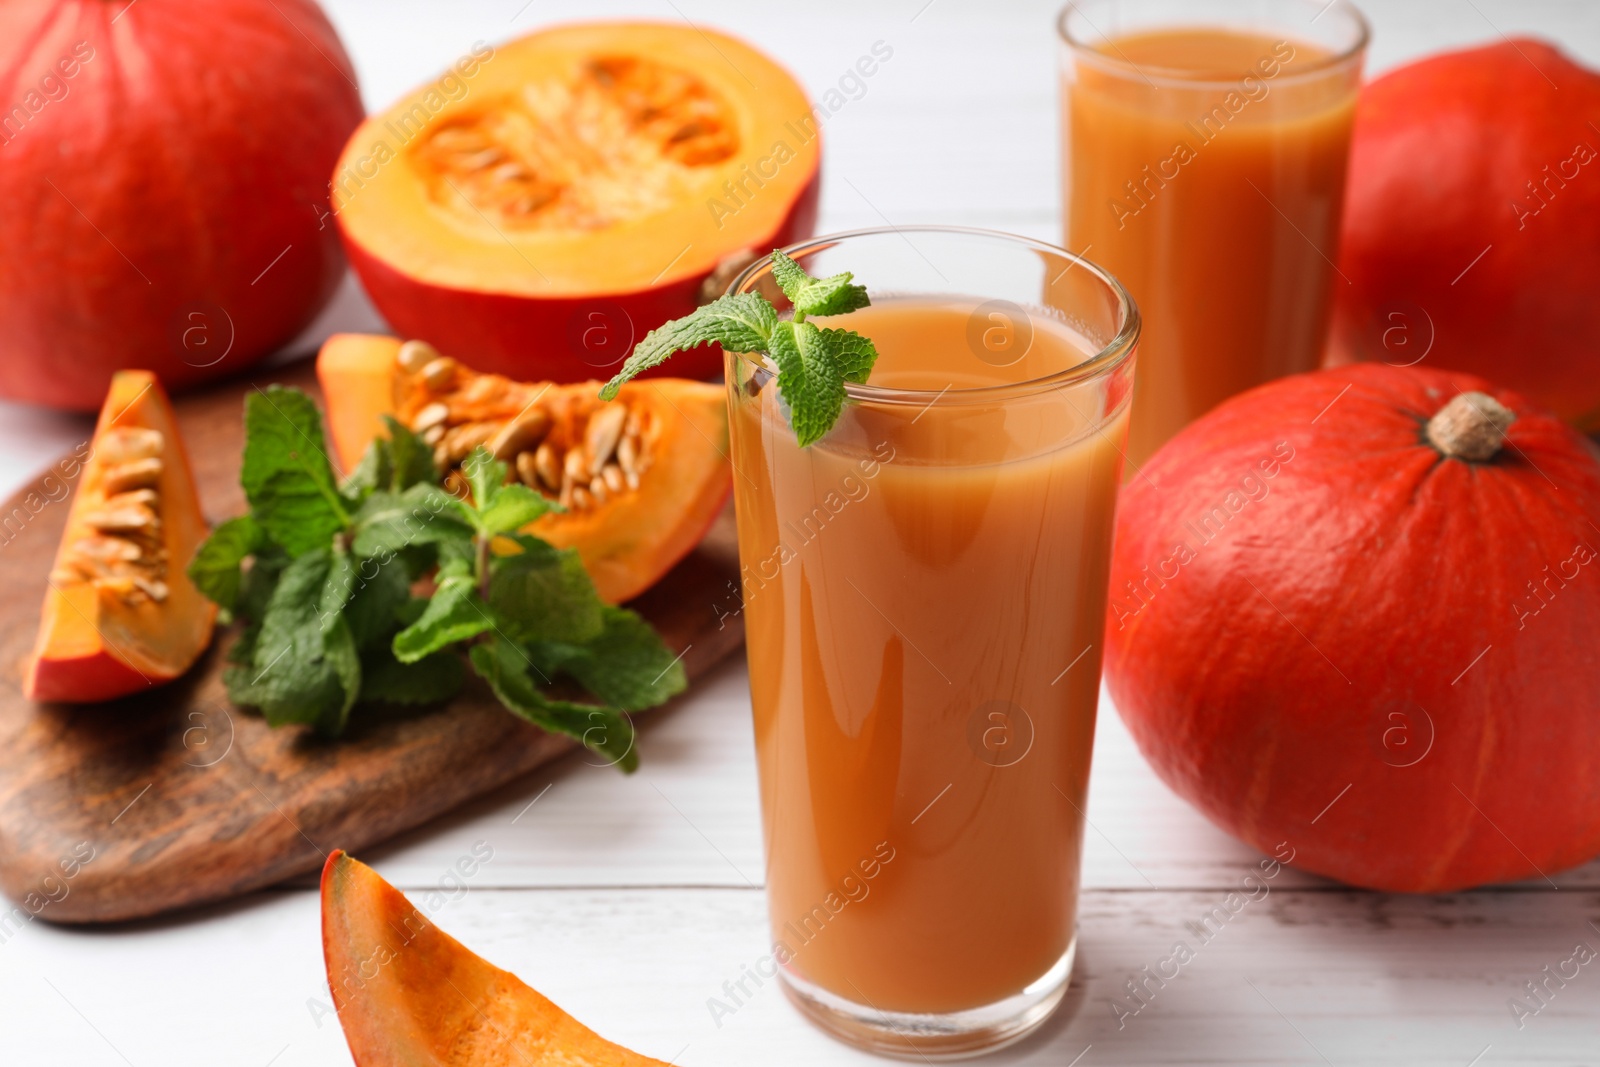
x=1204, y=145
x=924, y=596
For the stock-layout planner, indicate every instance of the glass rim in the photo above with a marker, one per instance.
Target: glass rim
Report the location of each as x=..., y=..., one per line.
x=1171, y=77
x=1106, y=360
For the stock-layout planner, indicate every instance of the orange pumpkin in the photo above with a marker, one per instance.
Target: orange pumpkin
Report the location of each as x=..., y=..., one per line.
x=1354, y=613
x=1472, y=223
x=549, y=201
x=649, y=473
x=164, y=194
x=121, y=614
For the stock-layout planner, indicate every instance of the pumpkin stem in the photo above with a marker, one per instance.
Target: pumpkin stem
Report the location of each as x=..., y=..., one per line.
x=1470, y=427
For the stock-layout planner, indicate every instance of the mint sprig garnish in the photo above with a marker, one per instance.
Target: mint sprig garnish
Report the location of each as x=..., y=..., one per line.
x=813, y=363
x=324, y=574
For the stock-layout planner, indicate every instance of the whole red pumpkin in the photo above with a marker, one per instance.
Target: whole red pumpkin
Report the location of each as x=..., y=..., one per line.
x=163, y=187
x=1472, y=223
x=1358, y=612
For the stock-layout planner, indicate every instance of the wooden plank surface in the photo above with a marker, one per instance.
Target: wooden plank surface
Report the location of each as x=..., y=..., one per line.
x=180, y=798
x=624, y=901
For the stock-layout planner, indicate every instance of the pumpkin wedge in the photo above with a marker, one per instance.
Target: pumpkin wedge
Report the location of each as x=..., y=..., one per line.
x=409, y=993
x=120, y=614
x=641, y=478
x=554, y=198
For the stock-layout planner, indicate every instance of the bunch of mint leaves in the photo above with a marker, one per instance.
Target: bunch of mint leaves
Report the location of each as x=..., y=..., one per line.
x=323, y=573
x=814, y=363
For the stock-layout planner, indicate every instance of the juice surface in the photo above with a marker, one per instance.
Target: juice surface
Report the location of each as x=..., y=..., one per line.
x=1209, y=182
x=924, y=595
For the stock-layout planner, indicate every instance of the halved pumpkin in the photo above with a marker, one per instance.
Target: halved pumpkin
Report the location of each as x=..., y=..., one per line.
x=642, y=478
x=549, y=201
x=409, y=993
x=121, y=615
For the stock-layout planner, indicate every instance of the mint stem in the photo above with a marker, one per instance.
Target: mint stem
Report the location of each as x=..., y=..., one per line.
x=483, y=567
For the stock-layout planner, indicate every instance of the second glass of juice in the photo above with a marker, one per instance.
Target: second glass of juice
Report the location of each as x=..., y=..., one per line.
x=924, y=598
x=1204, y=145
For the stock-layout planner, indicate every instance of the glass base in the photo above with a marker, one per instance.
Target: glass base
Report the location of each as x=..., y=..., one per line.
x=951, y=1036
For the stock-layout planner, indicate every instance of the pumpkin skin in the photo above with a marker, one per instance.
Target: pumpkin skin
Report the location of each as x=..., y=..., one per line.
x=1477, y=154
x=1325, y=633
x=146, y=205
x=541, y=296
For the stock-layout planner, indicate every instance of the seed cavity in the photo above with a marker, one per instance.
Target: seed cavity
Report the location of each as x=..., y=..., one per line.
x=583, y=454
x=120, y=551
x=614, y=138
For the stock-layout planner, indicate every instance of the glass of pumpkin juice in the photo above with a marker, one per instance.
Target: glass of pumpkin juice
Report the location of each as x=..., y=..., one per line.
x=923, y=593
x=1204, y=145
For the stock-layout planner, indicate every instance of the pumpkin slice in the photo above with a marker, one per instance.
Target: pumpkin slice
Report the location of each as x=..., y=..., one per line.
x=642, y=478
x=121, y=615
x=543, y=206
x=409, y=993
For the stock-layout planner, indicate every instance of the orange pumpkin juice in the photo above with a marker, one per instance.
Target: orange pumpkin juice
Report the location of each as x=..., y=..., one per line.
x=1205, y=168
x=924, y=595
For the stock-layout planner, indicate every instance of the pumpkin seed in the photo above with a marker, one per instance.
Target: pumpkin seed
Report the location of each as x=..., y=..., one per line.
x=440, y=374
x=600, y=437
x=133, y=474
x=548, y=463
x=415, y=355
x=520, y=434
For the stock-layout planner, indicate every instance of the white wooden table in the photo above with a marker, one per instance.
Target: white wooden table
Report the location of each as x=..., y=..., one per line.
x=630, y=901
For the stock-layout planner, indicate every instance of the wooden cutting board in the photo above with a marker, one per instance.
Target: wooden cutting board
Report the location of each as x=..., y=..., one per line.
x=183, y=799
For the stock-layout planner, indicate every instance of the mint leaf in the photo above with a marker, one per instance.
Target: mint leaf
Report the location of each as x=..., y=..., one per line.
x=853, y=354
x=457, y=559
x=485, y=474
x=295, y=513
x=790, y=276
x=339, y=652
x=739, y=322
x=382, y=589
x=423, y=514
x=410, y=458
x=285, y=473
x=453, y=614
x=831, y=296
x=809, y=380
x=430, y=680
x=215, y=569
x=337, y=587
x=258, y=581
x=627, y=666
x=602, y=729
x=514, y=507
x=834, y=295
x=500, y=506
x=374, y=471
x=290, y=676
x=544, y=594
